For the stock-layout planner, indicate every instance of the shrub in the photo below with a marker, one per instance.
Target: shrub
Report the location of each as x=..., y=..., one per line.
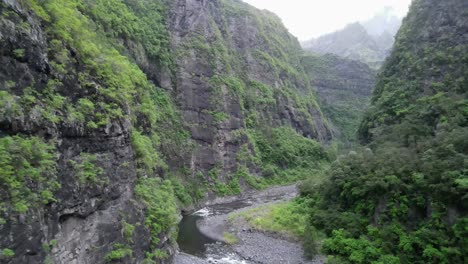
x=120, y=251
x=6, y=253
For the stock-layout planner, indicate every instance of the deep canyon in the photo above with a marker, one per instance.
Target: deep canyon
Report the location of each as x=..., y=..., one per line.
x=121, y=118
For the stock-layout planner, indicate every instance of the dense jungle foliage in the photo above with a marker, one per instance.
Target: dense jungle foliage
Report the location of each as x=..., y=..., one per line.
x=402, y=198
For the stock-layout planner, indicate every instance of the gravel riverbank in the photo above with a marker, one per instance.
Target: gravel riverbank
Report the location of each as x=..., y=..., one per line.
x=252, y=246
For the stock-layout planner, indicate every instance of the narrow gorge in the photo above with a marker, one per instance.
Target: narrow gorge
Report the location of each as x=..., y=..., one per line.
x=121, y=118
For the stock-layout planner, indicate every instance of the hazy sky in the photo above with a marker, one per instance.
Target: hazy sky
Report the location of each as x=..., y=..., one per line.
x=311, y=18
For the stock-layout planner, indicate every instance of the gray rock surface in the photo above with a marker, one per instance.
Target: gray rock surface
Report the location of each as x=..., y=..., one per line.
x=223, y=38
x=263, y=249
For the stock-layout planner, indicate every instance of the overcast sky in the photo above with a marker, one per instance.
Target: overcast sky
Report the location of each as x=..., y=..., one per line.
x=311, y=18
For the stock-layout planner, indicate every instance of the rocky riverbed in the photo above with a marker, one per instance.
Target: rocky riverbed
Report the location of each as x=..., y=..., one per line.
x=252, y=246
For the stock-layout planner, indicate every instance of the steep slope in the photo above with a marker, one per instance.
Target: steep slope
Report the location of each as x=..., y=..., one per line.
x=114, y=112
x=344, y=90
x=404, y=199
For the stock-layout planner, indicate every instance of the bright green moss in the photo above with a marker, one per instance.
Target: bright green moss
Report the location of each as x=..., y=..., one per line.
x=115, y=80
x=181, y=192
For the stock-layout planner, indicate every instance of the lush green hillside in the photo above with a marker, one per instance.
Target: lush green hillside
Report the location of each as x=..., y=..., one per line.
x=402, y=198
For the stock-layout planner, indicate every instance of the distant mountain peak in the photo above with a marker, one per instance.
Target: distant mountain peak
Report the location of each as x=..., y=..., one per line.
x=367, y=41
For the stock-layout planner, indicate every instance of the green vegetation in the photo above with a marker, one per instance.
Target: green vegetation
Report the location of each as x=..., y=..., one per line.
x=18, y=53
x=181, y=192
x=158, y=254
x=286, y=218
x=289, y=219
x=49, y=246
x=402, y=198
x=285, y=148
x=127, y=230
x=87, y=170
x=219, y=116
x=161, y=210
x=27, y=173
x=148, y=159
x=283, y=155
x=6, y=253
x=230, y=238
x=120, y=251
x=115, y=87
x=94, y=84
x=140, y=21
x=230, y=87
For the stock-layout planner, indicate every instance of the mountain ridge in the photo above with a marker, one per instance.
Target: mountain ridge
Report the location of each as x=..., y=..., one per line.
x=367, y=41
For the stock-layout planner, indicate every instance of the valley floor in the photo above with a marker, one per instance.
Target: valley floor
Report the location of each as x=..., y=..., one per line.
x=239, y=242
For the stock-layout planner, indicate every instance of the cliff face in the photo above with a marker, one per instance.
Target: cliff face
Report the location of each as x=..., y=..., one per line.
x=344, y=89
x=94, y=154
x=68, y=165
x=53, y=212
x=237, y=69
